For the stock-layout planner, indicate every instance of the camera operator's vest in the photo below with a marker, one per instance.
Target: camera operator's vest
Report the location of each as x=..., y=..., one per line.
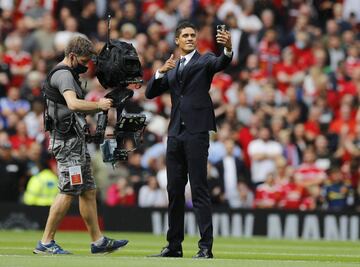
x=65, y=127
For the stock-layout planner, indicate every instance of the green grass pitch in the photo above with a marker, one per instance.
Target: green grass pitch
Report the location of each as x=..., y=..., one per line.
x=16, y=251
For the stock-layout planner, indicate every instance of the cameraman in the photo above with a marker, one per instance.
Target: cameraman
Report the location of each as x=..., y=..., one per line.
x=64, y=99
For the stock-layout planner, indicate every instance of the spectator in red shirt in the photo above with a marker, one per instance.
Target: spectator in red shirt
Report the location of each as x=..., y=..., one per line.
x=344, y=120
x=205, y=40
x=287, y=72
x=252, y=71
x=19, y=61
x=293, y=196
x=267, y=194
x=245, y=134
x=31, y=88
x=120, y=193
x=348, y=145
x=309, y=175
x=353, y=143
x=351, y=87
x=304, y=57
x=269, y=51
x=21, y=141
x=312, y=126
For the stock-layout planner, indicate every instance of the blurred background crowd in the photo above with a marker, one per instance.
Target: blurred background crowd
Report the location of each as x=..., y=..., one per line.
x=287, y=108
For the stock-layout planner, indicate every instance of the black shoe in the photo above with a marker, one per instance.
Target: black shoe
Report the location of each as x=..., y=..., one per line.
x=204, y=253
x=166, y=252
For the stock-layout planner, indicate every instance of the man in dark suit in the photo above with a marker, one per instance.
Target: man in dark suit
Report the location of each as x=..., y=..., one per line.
x=192, y=117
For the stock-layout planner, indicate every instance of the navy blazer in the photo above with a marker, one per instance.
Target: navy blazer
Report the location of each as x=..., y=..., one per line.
x=191, y=102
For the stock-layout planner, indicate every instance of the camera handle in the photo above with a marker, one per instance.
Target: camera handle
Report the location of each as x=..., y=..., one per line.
x=119, y=96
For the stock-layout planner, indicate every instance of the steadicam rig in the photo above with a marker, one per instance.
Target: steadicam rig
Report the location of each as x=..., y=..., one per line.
x=118, y=66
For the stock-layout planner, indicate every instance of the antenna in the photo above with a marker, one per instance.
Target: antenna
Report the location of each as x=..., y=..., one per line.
x=108, y=33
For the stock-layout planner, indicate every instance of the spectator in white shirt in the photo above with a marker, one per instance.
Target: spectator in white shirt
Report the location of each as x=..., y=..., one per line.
x=352, y=8
x=250, y=23
x=263, y=152
x=150, y=195
x=229, y=6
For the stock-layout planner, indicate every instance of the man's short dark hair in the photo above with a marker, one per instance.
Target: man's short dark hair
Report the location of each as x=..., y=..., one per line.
x=80, y=46
x=183, y=25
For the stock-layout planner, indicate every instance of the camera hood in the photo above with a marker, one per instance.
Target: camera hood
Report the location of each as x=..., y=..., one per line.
x=118, y=65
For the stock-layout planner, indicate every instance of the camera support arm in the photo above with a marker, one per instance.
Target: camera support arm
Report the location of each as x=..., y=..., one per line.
x=119, y=97
x=128, y=126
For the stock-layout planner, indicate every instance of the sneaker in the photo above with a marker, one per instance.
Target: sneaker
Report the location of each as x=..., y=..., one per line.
x=51, y=249
x=109, y=245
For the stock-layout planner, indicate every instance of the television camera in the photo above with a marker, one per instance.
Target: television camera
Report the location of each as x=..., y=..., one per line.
x=117, y=67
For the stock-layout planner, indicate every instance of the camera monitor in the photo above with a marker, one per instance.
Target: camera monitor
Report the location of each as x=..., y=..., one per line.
x=130, y=122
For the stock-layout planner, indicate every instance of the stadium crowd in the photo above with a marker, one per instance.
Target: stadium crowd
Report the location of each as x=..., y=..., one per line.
x=287, y=108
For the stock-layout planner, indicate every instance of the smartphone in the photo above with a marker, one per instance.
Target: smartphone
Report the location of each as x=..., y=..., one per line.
x=221, y=27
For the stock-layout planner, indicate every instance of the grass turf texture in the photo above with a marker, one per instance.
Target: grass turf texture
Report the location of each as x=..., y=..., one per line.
x=16, y=251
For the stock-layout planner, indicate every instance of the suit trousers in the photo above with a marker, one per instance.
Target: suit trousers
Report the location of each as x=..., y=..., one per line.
x=186, y=158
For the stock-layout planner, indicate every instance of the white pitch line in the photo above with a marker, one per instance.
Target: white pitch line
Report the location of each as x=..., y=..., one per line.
x=190, y=259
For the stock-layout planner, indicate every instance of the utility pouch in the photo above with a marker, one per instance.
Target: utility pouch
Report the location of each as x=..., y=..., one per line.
x=48, y=122
x=81, y=126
